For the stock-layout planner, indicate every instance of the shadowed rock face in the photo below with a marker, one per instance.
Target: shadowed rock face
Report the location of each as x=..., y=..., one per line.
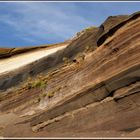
x=96, y=93
x=17, y=68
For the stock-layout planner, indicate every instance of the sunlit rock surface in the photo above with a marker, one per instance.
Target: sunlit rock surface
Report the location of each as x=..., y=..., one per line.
x=88, y=87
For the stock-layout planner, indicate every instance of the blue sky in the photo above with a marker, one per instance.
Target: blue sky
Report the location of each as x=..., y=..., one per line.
x=35, y=23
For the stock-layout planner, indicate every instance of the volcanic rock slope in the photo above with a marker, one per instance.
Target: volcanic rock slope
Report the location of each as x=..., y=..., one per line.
x=90, y=88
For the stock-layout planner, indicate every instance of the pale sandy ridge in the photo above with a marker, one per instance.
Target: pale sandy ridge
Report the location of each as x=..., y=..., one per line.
x=21, y=60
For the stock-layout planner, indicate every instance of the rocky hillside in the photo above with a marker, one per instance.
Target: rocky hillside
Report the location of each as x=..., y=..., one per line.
x=89, y=87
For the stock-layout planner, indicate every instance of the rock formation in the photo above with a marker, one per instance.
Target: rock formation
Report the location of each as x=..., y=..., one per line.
x=90, y=88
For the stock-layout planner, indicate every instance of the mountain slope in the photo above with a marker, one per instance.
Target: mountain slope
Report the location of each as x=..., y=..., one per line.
x=91, y=89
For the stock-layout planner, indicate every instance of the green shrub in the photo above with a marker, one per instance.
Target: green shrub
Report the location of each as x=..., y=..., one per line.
x=44, y=95
x=58, y=88
x=29, y=85
x=40, y=84
x=36, y=84
x=89, y=49
x=90, y=28
x=65, y=60
x=50, y=94
x=79, y=57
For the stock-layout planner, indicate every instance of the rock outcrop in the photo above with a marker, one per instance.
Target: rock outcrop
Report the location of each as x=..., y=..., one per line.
x=92, y=88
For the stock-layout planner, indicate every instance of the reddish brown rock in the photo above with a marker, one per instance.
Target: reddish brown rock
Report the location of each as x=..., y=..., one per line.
x=97, y=95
